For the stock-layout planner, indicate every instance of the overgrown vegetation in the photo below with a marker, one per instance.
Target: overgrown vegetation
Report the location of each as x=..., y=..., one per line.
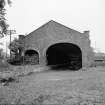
x=3, y=63
x=16, y=47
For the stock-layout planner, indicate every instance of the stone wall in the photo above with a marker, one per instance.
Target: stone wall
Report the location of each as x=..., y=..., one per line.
x=52, y=33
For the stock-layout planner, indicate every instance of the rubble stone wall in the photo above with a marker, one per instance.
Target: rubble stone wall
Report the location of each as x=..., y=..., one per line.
x=51, y=33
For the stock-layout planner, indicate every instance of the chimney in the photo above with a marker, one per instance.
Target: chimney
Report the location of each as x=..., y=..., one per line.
x=86, y=33
x=21, y=37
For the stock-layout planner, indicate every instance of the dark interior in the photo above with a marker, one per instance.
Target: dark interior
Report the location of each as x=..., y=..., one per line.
x=30, y=52
x=64, y=56
x=31, y=57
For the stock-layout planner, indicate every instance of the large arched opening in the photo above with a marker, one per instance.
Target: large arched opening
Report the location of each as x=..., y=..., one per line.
x=64, y=56
x=31, y=57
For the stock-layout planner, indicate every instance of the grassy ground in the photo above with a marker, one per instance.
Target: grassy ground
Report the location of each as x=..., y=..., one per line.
x=57, y=88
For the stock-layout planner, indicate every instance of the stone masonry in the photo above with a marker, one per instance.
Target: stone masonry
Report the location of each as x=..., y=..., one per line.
x=53, y=32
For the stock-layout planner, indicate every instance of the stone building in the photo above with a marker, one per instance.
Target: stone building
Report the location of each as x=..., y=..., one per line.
x=56, y=44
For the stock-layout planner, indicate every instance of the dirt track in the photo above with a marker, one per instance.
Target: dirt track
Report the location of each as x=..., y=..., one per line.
x=57, y=88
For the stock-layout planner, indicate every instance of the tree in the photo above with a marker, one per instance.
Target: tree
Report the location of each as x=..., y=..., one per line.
x=3, y=23
x=16, y=47
x=1, y=53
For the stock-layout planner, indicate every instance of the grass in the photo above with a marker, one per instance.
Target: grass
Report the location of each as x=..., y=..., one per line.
x=58, y=96
x=74, y=88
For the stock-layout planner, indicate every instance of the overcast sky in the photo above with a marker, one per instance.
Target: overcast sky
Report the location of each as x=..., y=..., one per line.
x=27, y=15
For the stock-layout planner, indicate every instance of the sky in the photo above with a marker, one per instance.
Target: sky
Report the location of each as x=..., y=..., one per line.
x=27, y=15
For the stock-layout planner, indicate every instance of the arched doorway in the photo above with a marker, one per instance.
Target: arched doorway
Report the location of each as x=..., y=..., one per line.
x=31, y=57
x=64, y=56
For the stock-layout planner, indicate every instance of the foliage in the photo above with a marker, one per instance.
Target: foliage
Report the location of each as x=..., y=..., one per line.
x=3, y=63
x=16, y=47
x=3, y=23
x=1, y=54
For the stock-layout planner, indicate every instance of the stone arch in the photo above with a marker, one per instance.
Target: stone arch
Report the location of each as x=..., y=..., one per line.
x=64, y=56
x=31, y=56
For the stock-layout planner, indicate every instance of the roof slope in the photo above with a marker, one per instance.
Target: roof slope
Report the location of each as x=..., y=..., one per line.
x=52, y=23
